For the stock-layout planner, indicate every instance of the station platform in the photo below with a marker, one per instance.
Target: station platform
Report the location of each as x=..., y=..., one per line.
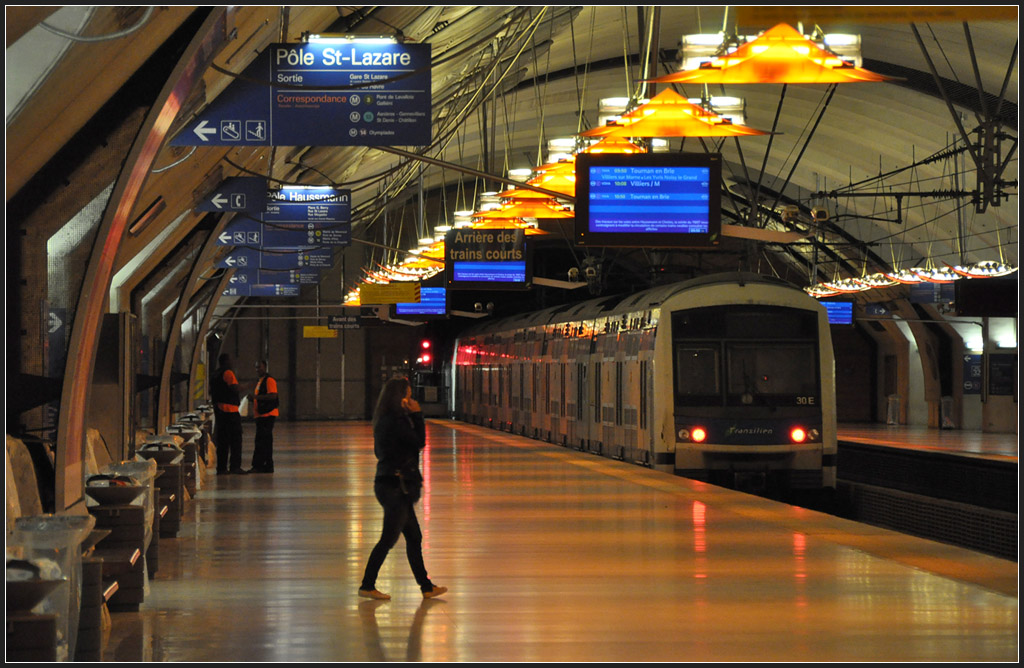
x=550, y=555
x=997, y=447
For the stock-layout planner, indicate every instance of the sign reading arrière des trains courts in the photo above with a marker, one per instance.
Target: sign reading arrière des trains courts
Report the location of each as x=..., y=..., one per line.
x=323, y=93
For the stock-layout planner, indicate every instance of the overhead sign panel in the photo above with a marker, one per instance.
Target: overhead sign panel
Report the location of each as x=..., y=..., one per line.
x=322, y=93
x=392, y=293
x=256, y=276
x=248, y=258
x=247, y=290
x=254, y=234
x=237, y=194
x=487, y=259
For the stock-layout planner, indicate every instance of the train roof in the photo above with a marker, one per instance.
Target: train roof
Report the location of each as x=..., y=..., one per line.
x=621, y=303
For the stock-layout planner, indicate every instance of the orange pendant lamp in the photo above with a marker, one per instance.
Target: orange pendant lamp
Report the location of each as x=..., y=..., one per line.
x=780, y=55
x=669, y=114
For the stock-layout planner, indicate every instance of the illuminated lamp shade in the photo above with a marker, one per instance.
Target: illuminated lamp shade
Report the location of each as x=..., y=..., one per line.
x=669, y=114
x=528, y=209
x=934, y=275
x=614, y=145
x=878, y=280
x=906, y=277
x=780, y=55
x=985, y=269
x=818, y=291
x=846, y=286
x=507, y=223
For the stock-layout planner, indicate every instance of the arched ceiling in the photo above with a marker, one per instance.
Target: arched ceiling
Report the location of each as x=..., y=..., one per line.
x=508, y=78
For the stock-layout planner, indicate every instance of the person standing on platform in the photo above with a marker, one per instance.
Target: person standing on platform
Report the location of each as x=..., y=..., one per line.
x=227, y=428
x=399, y=434
x=266, y=412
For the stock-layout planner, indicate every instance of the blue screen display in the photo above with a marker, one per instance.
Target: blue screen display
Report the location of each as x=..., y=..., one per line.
x=839, y=313
x=649, y=199
x=489, y=272
x=433, y=301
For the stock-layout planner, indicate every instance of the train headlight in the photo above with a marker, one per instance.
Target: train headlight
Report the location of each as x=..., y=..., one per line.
x=698, y=434
x=798, y=434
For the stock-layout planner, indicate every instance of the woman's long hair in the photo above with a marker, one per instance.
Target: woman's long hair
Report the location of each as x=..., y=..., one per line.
x=390, y=400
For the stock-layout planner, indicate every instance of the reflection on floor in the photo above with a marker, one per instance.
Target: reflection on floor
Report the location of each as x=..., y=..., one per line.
x=550, y=555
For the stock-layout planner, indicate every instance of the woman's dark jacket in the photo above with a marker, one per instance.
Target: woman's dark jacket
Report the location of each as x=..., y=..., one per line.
x=397, y=441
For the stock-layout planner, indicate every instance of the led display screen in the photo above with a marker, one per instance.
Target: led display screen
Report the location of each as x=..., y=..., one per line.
x=487, y=259
x=839, y=312
x=433, y=302
x=648, y=199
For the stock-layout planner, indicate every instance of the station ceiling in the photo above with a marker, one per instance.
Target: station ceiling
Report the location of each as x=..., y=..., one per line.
x=899, y=168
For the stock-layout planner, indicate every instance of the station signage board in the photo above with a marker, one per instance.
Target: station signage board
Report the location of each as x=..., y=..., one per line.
x=343, y=322
x=248, y=258
x=487, y=259
x=236, y=194
x=336, y=92
x=254, y=234
x=256, y=276
x=391, y=293
x=250, y=290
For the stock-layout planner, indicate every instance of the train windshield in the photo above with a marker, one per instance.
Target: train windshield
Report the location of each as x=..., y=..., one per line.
x=755, y=356
x=770, y=374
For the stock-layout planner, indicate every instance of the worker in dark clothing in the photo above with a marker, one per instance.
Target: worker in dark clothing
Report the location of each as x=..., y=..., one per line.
x=399, y=434
x=227, y=427
x=266, y=412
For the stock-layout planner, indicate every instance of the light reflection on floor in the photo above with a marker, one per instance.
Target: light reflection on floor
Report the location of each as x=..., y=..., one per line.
x=550, y=555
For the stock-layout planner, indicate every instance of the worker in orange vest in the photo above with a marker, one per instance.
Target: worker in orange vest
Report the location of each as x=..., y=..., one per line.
x=266, y=412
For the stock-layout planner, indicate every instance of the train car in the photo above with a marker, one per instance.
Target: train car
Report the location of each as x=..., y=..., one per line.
x=719, y=378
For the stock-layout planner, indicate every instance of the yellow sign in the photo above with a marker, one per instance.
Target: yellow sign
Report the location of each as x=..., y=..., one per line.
x=392, y=293
x=318, y=332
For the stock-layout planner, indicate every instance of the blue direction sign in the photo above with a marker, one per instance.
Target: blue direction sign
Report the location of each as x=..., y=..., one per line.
x=248, y=258
x=247, y=290
x=322, y=93
x=275, y=277
x=254, y=234
x=237, y=193
x=300, y=204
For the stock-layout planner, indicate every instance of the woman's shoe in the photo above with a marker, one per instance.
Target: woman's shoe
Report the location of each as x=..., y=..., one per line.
x=373, y=593
x=435, y=592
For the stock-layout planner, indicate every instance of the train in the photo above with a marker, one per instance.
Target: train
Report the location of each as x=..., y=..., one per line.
x=725, y=378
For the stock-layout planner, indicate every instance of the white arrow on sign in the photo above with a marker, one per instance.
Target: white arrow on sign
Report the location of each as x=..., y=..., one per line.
x=201, y=130
x=230, y=261
x=219, y=200
x=225, y=238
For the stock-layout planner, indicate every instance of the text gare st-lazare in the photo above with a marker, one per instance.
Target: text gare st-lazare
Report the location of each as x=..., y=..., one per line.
x=351, y=56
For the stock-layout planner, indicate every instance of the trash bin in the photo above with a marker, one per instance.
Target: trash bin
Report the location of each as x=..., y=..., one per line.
x=55, y=542
x=145, y=472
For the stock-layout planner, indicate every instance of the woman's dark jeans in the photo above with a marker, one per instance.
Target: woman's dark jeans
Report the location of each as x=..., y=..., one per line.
x=399, y=519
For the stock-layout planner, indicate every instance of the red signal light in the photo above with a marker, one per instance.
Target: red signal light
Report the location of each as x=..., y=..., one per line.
x=798, y=434
x=425, y=344
x=698, y=434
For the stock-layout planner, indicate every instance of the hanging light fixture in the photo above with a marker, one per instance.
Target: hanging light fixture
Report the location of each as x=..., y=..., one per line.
x=984, y=269
x=779, y=55
x=935, y=274
x=668, y=114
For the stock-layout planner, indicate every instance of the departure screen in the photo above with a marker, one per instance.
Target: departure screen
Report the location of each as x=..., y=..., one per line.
x=648, y=200
x=645, y=200
x=433, y=301
x=489, y=272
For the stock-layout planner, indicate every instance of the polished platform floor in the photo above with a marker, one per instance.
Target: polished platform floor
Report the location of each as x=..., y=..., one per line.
x=550, y=555
x=949, y=441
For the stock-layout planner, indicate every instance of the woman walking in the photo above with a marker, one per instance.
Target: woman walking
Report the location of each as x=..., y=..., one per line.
x=399, y=434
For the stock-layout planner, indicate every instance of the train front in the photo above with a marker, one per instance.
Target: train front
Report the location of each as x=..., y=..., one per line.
x=753, y=387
